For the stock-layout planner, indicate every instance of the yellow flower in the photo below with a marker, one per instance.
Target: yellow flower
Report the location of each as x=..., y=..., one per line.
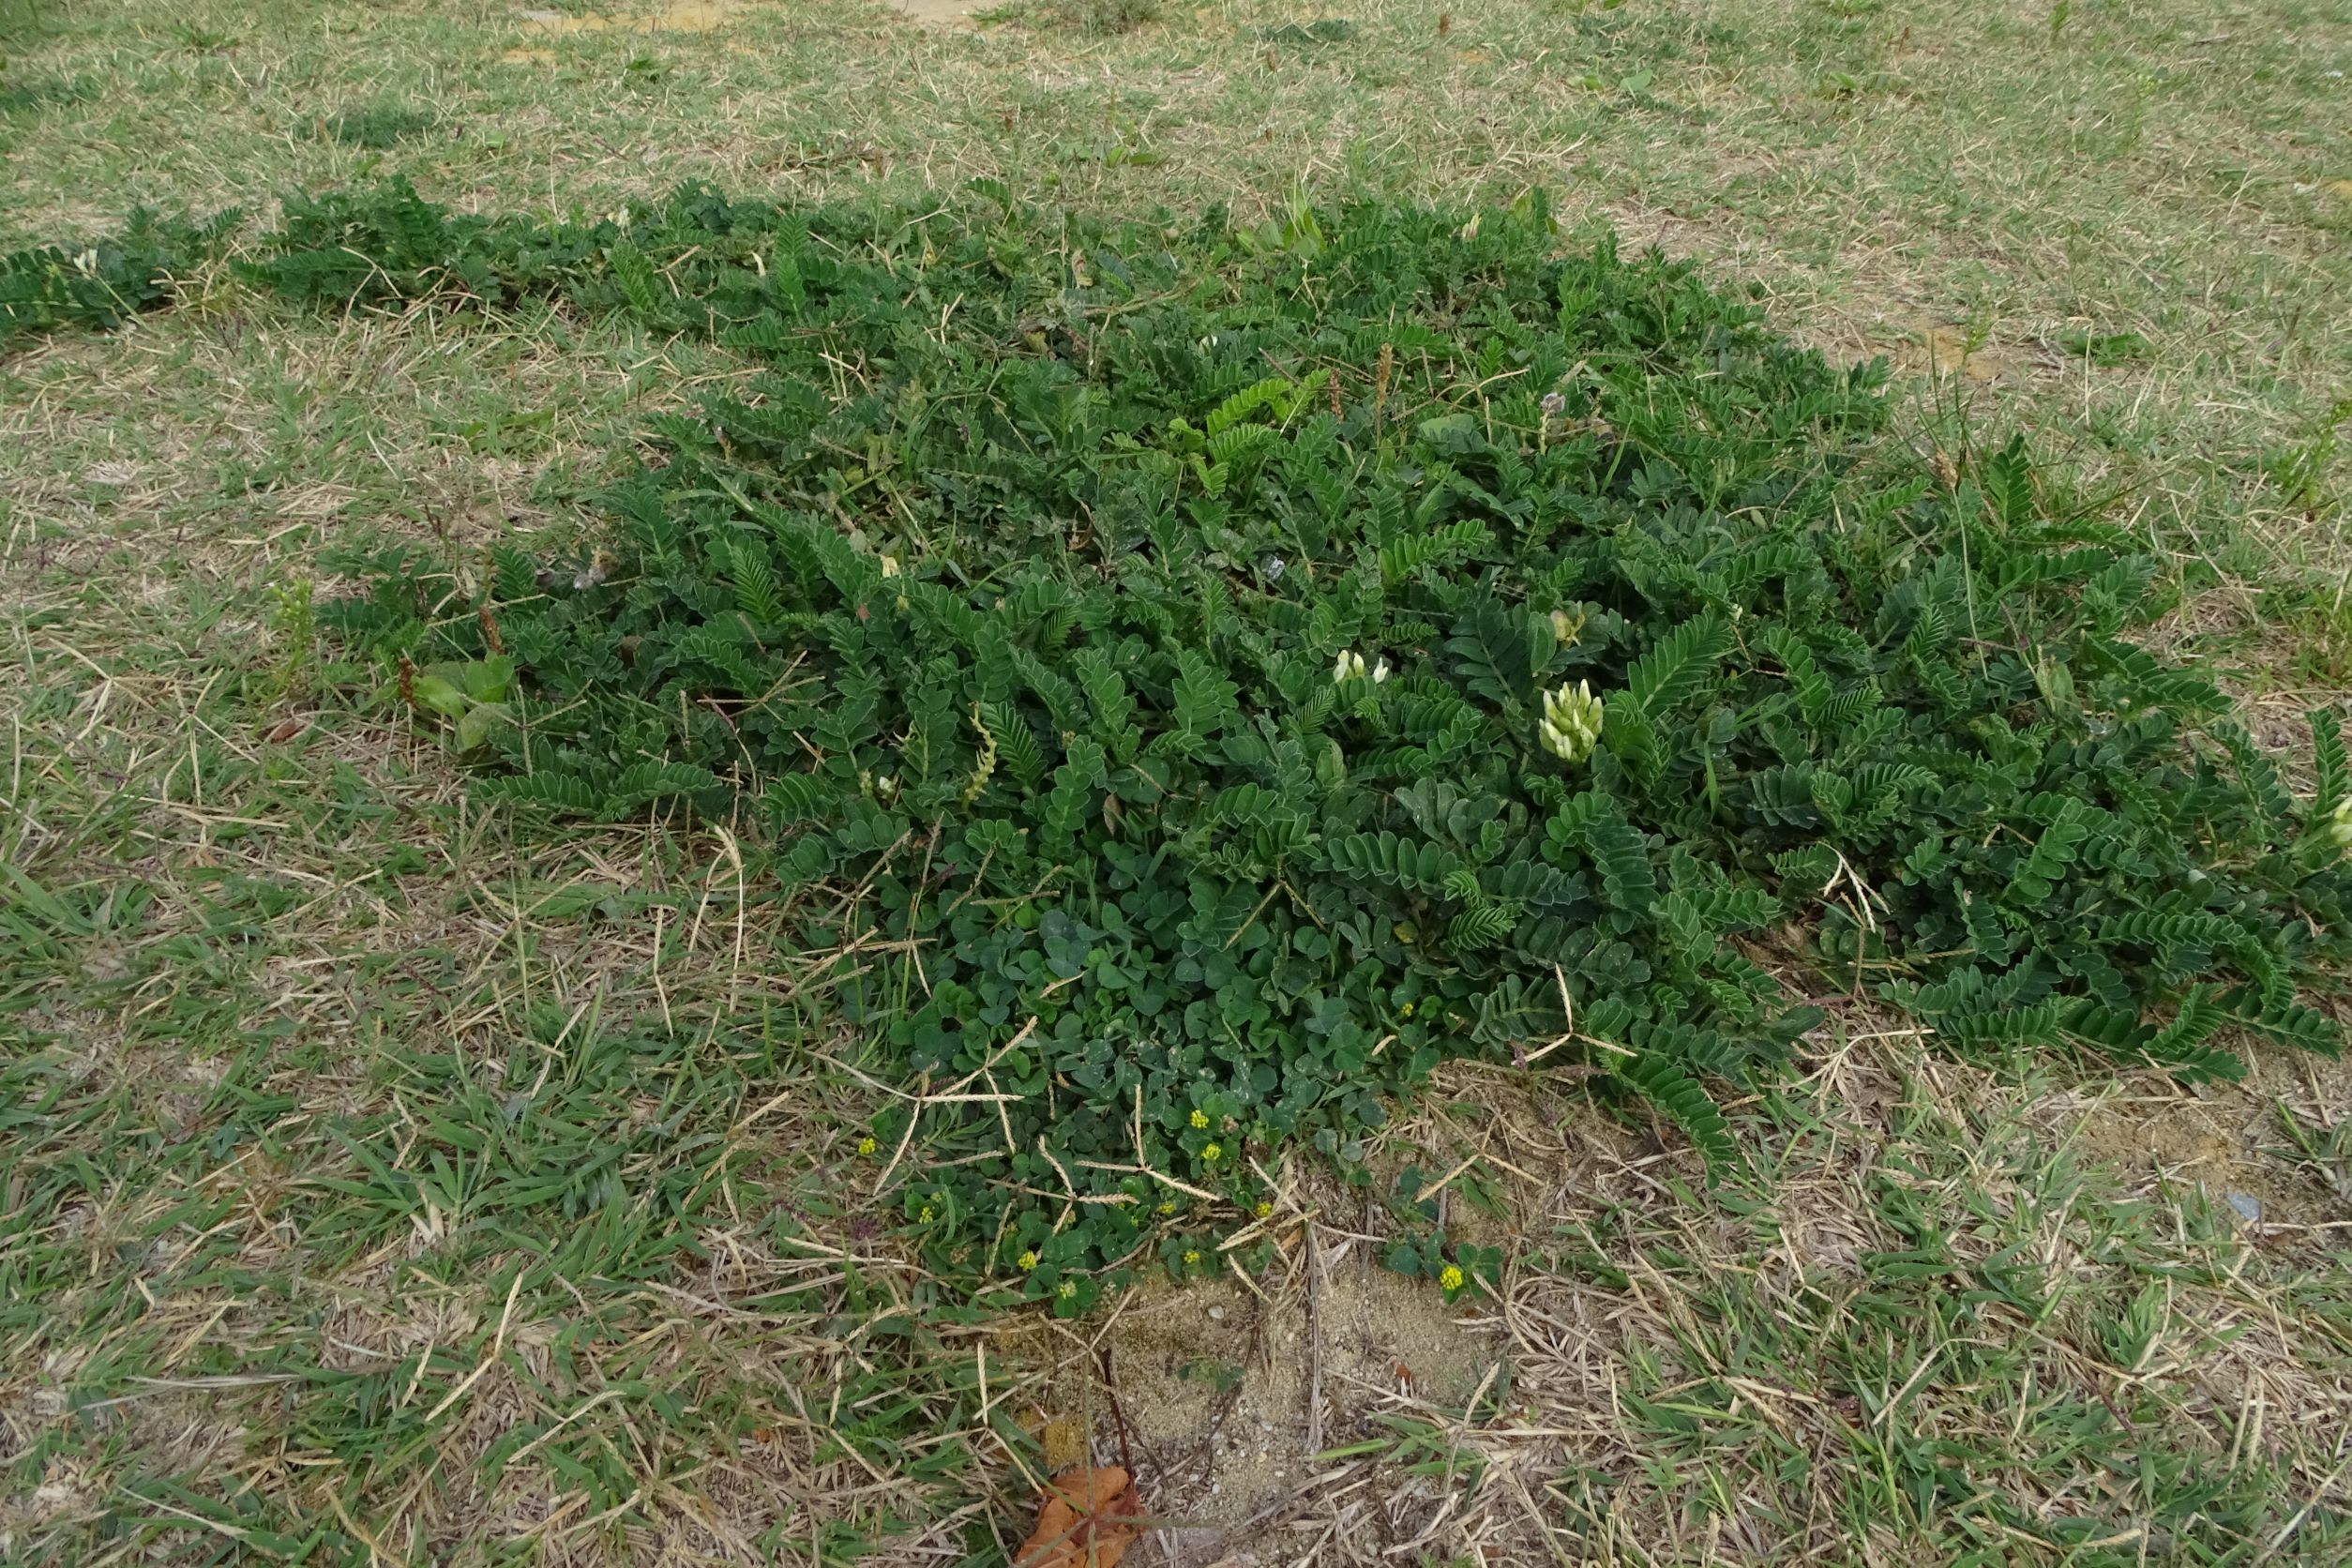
x=1200, y=1120
x=1027, y=1260
x=1212, y=1150
x=1192, y=1255
x=1406, y=1011
x=1263, y=1209
x=924, y=1218
x=1451, y=1278
x=867, y=1145
x=1168, y=1205
x=1067, y=1289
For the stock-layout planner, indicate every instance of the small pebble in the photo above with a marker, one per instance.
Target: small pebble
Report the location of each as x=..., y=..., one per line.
x=2249, y=1207
x=1216, y=1315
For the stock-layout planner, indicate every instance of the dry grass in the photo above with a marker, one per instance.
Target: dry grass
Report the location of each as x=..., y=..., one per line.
x=2126, y=219
x=381, y=1183
x=1874, y=1349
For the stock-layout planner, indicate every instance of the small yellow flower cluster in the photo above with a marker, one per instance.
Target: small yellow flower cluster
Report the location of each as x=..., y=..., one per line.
x=1570, y=722
x=1028, y=1262
x=1212, y=1150
x=1451, y=1278
x=1263, y=1209
x=1200, y=1120
x=1192, y=1256
x=867, y=1145
x=1067, y=1289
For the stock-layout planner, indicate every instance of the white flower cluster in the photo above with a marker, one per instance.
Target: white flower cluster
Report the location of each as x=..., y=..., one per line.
x=2339, y=828
x=1570, y=722
x=1352, y=667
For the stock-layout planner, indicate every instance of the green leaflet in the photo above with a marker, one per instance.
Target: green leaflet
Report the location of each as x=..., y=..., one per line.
x=1677, y=668
x=1680, y=1099
x=2054, y=851
x=1034, y=677
x=1416, y=866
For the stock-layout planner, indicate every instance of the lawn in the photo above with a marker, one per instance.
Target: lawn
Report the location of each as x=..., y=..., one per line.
x=386, y=1178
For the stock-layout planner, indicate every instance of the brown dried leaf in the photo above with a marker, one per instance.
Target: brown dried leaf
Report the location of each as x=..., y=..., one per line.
x=1087, y=1520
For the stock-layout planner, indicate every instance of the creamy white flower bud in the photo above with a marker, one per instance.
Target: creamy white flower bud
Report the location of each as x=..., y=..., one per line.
x=1571, y=725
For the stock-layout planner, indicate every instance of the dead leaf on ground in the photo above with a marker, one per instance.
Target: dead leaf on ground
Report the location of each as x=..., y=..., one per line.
x=2341, y=188
x=1087, y=1518
x=1949, y=354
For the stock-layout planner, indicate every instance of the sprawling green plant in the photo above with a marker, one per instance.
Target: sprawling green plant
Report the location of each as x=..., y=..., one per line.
x=1272, y=660
x=103, y=284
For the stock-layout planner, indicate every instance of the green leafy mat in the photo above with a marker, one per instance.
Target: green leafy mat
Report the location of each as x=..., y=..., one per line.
x=100, y=286
x=1273, y=660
